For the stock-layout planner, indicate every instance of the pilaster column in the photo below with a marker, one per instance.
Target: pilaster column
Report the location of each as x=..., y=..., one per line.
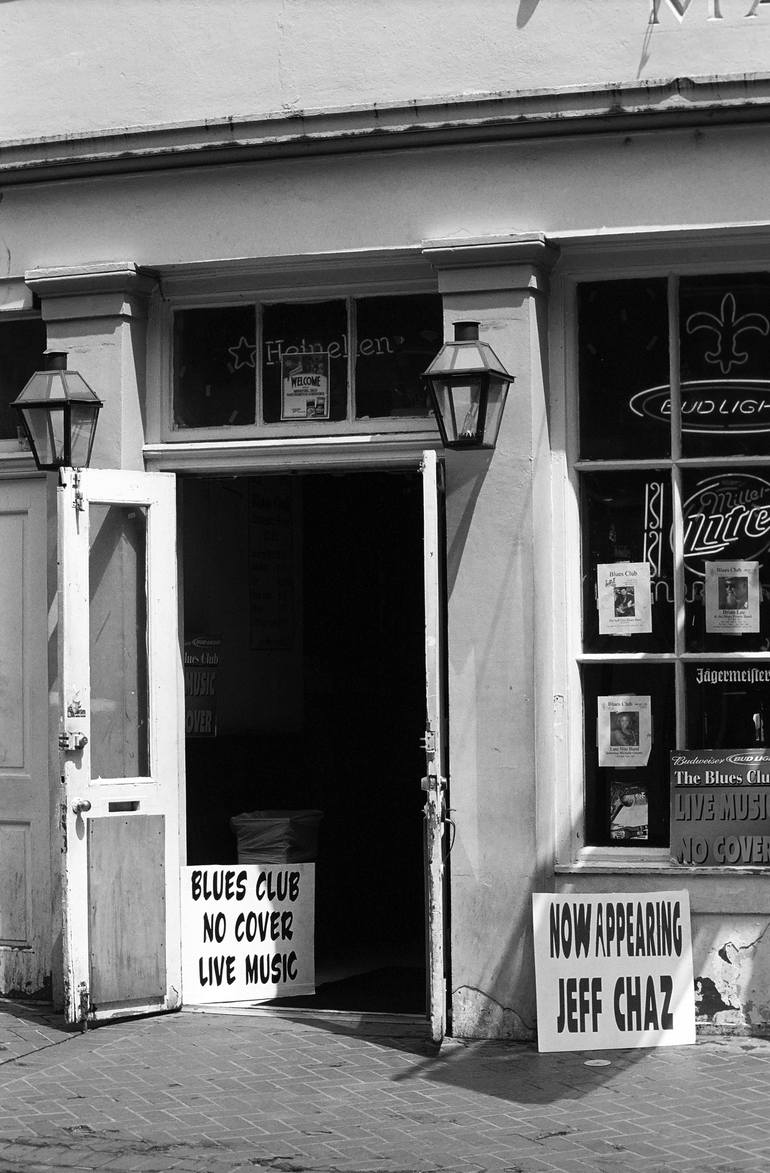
x=499, y=624
x=98, y=314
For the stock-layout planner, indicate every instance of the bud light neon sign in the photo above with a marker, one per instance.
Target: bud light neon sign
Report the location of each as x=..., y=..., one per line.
x=729, y=406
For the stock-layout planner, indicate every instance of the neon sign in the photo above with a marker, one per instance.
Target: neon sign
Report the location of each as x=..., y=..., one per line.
x=244, y=353
x=726, y=513
x=735, y=406
x=725, y=330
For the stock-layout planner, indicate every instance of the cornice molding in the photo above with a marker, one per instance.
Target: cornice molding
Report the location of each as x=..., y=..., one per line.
x=399, y=269
x=109, y=289
x=515, y=262
x=670, y=103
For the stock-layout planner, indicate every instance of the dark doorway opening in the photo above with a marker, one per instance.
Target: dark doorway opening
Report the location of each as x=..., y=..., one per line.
x=310, y=588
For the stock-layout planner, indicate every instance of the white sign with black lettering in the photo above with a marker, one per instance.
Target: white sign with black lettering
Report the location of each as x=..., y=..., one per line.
x=624, y=730
x=732, y=597
x=623, y=596
x=248, y=932
x=613, y=970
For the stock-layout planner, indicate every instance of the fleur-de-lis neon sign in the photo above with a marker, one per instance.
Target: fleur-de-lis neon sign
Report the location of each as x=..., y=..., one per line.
x=728, y=329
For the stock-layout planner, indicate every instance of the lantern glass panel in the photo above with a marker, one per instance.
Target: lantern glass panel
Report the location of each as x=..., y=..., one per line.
x=498, y=389
x=46, y=432
x=82, y=427
x=466, y=402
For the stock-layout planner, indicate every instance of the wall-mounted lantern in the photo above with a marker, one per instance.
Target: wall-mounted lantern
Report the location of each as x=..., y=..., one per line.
x=468, y=385
x=58, y=410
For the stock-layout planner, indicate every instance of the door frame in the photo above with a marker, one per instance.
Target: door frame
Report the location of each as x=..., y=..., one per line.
x=436, y=780
x=425, y=462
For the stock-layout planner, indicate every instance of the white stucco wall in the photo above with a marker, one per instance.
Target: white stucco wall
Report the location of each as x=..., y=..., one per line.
x=102, y=64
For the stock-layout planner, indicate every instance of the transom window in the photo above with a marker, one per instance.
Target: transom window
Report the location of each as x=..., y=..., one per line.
x=673, y=475
x=312, y=362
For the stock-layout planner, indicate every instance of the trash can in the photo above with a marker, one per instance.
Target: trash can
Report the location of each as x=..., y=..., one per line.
x=277, y=836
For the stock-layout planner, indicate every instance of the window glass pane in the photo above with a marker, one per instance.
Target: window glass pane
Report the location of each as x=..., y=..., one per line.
x=629, y=732
x=398, y=337
x=725, y=364
x=214, y=367
x=305, y=361
x=628, y=606
x=21, y=353
x=727, y=565
x=623, y=369
x=728, y=705
x=118, y=641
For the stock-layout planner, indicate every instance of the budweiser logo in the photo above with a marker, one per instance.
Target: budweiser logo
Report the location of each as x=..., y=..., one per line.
x=727, y=513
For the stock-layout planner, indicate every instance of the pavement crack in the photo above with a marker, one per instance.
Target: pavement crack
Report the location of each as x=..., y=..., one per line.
x=554, y=1132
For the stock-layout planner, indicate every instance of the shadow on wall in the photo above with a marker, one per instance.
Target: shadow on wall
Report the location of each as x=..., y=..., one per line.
x=526, y=12
x=488, y=1007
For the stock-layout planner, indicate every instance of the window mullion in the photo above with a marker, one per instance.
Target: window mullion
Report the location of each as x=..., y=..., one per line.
x=352, y=352
x=258, y=406
x=676, y=506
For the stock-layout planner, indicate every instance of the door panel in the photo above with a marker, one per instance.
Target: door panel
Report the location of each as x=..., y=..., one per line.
x=435, y=781
x=127, y=908
x=121, y=742
x=25, y=852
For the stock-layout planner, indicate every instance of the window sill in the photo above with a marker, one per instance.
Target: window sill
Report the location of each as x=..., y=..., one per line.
x=305, y=430
x=650, y=861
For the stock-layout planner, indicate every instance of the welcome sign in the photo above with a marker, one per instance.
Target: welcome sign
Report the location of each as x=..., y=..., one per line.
x=613, y=970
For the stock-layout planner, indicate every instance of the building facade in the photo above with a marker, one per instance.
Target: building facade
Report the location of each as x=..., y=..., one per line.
x=250, y=226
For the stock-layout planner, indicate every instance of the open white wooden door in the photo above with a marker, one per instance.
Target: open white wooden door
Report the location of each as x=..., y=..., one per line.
x=120, y=743
x=435, y=781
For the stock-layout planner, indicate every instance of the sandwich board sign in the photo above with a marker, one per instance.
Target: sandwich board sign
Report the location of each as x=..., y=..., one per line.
x=613, y=971
x=248, y=932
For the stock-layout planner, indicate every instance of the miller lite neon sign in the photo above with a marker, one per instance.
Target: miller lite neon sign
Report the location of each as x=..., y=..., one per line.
x=729, y=513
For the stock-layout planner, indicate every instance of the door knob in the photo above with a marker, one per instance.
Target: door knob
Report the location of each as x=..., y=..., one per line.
x=80, y=805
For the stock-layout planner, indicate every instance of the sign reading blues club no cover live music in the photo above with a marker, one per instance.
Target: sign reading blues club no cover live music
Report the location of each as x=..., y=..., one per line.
x=613, y=971
x=248, y=932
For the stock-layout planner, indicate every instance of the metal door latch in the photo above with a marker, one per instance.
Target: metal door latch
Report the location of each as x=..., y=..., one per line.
x=69, y=742
x=428, y=741
x=433, y=782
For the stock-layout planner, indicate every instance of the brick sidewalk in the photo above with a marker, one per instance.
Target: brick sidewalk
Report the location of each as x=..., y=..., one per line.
x=211, y=1093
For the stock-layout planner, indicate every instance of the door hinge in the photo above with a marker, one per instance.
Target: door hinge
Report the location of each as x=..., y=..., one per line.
x=77, y=502
x=428, y=741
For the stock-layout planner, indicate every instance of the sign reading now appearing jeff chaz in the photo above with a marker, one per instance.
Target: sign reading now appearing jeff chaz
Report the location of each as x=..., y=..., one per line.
x=720, y=806
x=613, y=970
